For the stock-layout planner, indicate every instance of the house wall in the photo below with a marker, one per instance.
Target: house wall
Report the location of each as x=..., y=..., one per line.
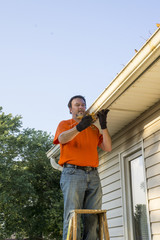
x=145, y=129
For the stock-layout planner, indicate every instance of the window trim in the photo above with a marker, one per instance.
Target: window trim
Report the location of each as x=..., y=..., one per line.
x=131, y=153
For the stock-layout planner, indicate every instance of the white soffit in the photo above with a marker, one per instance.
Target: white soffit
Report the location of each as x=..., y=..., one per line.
x=129, y=97
x=140, y=96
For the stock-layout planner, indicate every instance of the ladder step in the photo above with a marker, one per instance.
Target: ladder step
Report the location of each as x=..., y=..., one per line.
x=103, y=226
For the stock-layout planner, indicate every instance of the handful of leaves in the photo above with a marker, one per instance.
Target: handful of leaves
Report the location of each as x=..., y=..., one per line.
x=94, y=117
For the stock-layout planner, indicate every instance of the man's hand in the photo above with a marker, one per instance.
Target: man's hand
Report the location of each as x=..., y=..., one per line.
x=102, y=115
x=84, y=123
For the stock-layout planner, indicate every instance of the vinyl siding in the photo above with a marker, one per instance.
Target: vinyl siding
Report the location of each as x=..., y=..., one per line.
x=146, y=128
x=152, y=158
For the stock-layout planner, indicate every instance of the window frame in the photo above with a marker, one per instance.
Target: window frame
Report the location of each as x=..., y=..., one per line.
x=125, y=157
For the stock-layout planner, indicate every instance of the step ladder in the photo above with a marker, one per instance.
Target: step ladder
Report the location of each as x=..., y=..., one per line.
x=103, y=226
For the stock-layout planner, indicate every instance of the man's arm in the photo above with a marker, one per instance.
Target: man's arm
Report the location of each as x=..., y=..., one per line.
x=68, y=135
x=106, y=145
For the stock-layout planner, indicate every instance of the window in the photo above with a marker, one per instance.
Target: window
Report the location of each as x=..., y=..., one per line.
x=136, y=219
x=138, y=199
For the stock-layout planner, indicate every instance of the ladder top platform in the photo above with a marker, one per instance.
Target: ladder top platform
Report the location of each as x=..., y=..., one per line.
x=88, y=211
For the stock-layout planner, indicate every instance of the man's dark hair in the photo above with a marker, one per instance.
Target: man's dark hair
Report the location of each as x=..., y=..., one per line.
x=77, y=96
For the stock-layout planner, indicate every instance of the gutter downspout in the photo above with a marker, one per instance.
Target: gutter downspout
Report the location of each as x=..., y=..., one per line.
x=55, y=165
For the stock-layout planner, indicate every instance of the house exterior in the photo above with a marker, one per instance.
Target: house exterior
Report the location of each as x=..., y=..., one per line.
x=130, y=173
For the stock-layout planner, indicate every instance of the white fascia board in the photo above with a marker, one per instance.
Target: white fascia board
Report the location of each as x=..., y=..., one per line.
x=137, y=65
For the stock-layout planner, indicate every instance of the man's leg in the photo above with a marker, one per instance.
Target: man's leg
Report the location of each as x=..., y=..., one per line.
x=93, y=200
x=73, y=185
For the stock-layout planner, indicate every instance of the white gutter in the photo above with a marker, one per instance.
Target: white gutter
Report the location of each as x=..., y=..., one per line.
x=137, y=65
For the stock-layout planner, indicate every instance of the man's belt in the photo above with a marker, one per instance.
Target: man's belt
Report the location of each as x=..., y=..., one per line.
x=86, y=168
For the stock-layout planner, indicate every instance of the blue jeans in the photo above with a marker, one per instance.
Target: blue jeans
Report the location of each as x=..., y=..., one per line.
x=81, y=190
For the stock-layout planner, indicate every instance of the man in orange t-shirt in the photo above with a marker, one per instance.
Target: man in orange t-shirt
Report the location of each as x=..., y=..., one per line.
x=80, y=183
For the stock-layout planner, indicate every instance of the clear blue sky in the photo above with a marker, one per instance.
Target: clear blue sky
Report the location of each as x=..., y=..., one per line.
x=51, y=50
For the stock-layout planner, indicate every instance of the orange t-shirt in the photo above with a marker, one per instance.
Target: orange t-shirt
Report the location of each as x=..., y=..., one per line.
x=82, y=150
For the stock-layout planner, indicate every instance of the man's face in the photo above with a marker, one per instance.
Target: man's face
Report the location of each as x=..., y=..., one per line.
x=78, y=108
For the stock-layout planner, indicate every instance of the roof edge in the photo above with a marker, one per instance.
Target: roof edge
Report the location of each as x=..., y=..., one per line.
x=152, y=46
